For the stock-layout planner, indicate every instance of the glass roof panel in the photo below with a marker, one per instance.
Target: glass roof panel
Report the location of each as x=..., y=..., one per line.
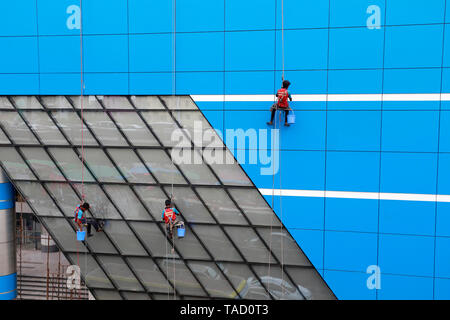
x=26, y=102
x=101, y=166
x=163, y=126
x=15, y=166
x=104, y=128
x=153, y=198
x=89, y=102
x=161, y=166
x=71, y=125
x=127, y=202
x=64, y=234
x=16, y=128
x=44, y=127
x=120, y=273
x=130, y=165
x=225, y=167
x=147, y=102
x=179, y=102
x=91, y=272
x=70, y=164
x=101, y=207
x=3, y=138
x=5, y=104
x=115, y=102
x=150, y=275
x=38, y=198
x=134, y=129
x=42, y=164
x=56, y=102
x=124, y=238
x=193, y=167
x=212, y=279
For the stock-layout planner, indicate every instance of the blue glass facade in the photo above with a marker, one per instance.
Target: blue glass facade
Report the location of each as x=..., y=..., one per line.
x=234, y=48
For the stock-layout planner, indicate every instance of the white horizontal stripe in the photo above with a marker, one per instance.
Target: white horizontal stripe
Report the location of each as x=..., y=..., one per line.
x=357, y=195
x=323, y=97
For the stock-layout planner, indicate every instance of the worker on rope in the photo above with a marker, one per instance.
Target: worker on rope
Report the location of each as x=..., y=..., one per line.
x=282, y=103
x=169, y=215
x=81, y=220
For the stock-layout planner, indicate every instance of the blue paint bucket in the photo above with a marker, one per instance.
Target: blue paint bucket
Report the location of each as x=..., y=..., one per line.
x=291, y=118
x=81, y=235
x=181, y=231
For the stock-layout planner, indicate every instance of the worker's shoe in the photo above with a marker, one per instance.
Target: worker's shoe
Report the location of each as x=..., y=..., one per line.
x=286, y=124
x=90, y=235
x=270, y=123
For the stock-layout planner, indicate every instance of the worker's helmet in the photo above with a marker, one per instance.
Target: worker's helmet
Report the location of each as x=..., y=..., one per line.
x=86, y=206
x=168, y=202
x=286, y=84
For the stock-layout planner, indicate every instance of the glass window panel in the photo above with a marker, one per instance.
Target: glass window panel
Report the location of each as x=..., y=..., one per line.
x=56, y=102
x=179, y=102
x=217, y=243
x=162, y=125
x=16, y=128
x=89, y=102
x=127, y=202
x=153, y=198
x=15, y=166
x=189, y=205
x=120, y=273
x=193, y=166
x=161, y=166
x=71, y=124
x=44, y=127
x=226, y=167
x=70, y=164
x=185, y=282
x=278, y=284
x=115, y=102
x=63, y=234
x=42, y=164
x=134, y=129
x=91, y=272
x=136, y=296
x=212, y=279
x=150, y=275
x=201, y=132
x=101, y=207
x=65, y=196
x=3, y=138
x=105, y=130
x=284, y=246
x=254, y=206
x=310, y=283
x=27, y=102
x=38, y=198
x=124, y=238
x=250, y=244
x=107, y=295
x=5, y=104
x=221, y=206
x=101, y=166
x=130, y=165
x=244, y=281
x=147, y=102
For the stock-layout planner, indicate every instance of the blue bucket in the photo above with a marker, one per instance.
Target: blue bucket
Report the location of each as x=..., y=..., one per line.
x=291, y=118
x=181, y=232
x=81, y=235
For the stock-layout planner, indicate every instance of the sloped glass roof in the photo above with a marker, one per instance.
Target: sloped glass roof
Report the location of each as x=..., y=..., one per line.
x=128, y=174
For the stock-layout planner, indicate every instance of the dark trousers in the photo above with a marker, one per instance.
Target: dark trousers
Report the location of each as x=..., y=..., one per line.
x=272, y=116
x=92, y=223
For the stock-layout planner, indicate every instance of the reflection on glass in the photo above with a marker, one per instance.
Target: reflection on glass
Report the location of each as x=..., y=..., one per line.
x=70, y=164
x=100, y=165
x=13, y=163
x=255, y=207
x=91, y=271
x=63, y=234
x=130, y=165
x=217, y=243
x=42, y=164
x=44, y=127
x=16, y=129
x=189, y=205
x=134, y=129
x=120, y=273
x=161, y=166
x=38, y=198
x=284, y=246
x=149, y=274
x=71, y=125
x=186, y=283
x=212, y=279
x=127, y=202
x=310, y=283
x=105, y=130
x=221, y=206
x=179, y=102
